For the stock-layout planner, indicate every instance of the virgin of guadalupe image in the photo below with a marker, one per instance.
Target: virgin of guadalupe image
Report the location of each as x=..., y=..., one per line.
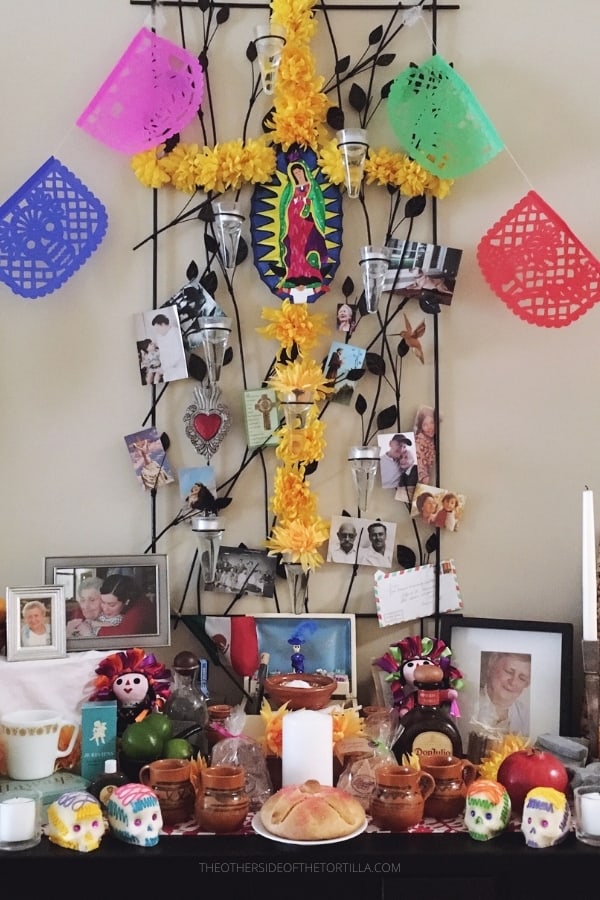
x=302, y=233
x=296, y=228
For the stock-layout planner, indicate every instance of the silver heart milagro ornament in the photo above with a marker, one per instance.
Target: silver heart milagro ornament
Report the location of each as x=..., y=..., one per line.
x=207, y=421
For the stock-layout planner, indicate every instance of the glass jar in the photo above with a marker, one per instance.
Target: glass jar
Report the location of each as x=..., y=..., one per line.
x=223, y=802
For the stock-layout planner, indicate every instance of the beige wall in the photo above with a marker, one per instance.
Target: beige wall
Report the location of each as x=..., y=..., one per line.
x=520, y=431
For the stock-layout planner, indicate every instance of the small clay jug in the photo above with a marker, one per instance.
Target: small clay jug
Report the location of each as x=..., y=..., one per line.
x=452, y=776
x=222, y=804
x=399, y=796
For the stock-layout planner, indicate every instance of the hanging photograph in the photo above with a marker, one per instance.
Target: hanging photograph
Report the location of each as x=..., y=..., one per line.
x=424, y=271
x=149, y=458
x=159, y=342
x=242, y=571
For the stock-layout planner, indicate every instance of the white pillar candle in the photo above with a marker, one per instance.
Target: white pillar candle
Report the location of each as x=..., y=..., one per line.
x=307, y=747
x=17, y=819
x=590, y=813
x=588, y=569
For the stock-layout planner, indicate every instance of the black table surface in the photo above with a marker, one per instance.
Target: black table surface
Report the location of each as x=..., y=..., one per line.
x=381, y=863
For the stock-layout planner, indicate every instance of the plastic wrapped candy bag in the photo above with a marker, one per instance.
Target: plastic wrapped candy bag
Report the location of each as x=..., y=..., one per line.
x=365, y=754
x=237, y=749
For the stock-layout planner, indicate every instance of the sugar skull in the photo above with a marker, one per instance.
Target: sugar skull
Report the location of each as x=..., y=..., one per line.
x=546, y=817
x=134, y=815
x=75, y=821
x=487, y=809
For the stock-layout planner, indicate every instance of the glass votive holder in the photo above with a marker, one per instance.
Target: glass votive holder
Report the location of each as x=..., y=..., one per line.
x=20, y=820
x=587, y=813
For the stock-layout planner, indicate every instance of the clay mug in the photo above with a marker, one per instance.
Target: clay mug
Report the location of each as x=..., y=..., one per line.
x=31, y=742
x=399, y=796
x=170, y=779
x=222, y=804
x=452, y=776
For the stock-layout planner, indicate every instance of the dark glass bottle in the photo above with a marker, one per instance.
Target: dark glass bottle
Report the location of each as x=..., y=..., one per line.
x=186, y=705
x=428, y=728
x=103, y=785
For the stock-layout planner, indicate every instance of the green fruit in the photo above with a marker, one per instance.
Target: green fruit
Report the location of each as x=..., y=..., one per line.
x=140, y=742
x=160, y=725
x=178, y=748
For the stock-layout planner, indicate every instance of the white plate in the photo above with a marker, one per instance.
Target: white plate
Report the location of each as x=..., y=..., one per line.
x=259, y=828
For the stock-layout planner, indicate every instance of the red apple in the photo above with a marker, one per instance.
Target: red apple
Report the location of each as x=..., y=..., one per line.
x=525, y=769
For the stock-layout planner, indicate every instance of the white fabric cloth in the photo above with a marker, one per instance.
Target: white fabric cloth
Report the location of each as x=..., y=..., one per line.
x=62, y=685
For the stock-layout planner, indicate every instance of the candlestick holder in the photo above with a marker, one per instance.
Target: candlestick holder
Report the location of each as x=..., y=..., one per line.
x=269, y=41
x=364, y=462
x=209, y=530
x=591, y=671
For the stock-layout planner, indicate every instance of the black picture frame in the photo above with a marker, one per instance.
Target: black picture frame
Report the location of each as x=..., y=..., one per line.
x=550, y=646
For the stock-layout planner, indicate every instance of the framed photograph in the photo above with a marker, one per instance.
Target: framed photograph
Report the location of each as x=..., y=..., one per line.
x=35, y=622
x=113, y=602
x=242, y=571
x=518, y=676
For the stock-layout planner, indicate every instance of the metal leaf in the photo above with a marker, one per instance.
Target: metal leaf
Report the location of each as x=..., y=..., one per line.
x=311, y=468
x=375, y=364
x=432, y=543
x=251, y=53
x=402, y=348
x=387, y=418
x=165, y=441
x=210, y=282
x=385, y=59
x=335, y=118
x=197, y=367
x=341, y=65
x=415, y=206
x=228, y=356
x=360, y=405
x=242, y=251
x=210, y=243
x=222, y=15
x=348, y=287
x=205, y=212
x=354, y=374
x=357, y=97
x=376, y=35
x=429, y=303
x=192, y=271
x=406, y=557
x=385, y=90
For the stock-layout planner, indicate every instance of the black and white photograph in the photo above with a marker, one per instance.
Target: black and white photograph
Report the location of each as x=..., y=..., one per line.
x=365, y=542
x=242, y=571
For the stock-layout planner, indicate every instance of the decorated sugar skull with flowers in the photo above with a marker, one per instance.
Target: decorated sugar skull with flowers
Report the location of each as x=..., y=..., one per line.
x=401, y=660
x=75, y=821
x=546, y=817
x=134, y=814
x=487, y=809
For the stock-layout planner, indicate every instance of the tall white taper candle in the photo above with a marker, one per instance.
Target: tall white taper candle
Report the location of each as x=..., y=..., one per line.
x=307, y=747
x=588, y=569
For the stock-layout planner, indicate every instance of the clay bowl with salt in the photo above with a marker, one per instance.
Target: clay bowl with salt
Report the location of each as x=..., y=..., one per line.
x=299, y=691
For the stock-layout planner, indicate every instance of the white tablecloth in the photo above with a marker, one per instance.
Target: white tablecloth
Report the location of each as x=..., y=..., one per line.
x=57, y=684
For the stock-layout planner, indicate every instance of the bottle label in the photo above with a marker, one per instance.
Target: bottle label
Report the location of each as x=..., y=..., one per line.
x=105, y=792
x=428, y=697
x=427, y=743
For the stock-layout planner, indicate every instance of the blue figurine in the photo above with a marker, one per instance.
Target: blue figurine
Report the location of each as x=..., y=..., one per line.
x=304, y=631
